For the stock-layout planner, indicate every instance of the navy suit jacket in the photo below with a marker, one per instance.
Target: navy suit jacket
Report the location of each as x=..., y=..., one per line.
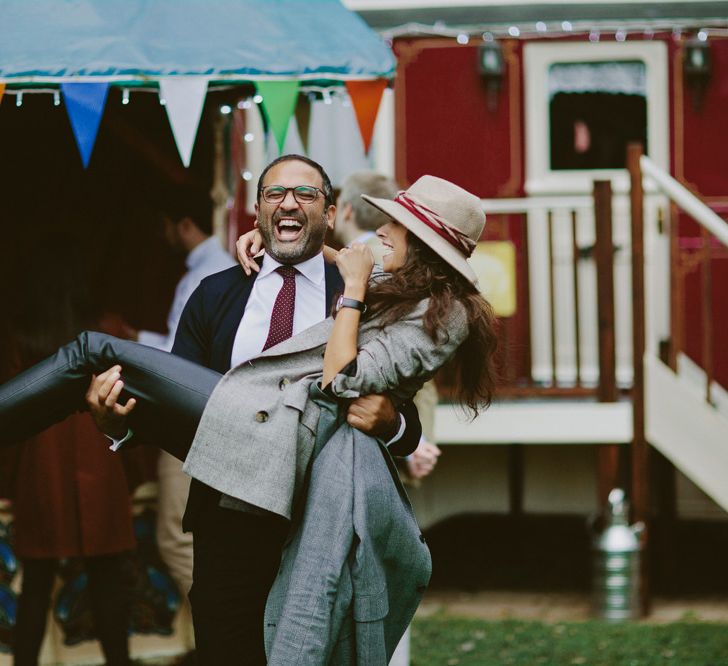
x=206, y=334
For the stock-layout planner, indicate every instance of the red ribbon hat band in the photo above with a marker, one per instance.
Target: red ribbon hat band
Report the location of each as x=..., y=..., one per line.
x=453, y=236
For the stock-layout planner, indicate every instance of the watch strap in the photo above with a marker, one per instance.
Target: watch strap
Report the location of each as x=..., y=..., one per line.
x=352, y=303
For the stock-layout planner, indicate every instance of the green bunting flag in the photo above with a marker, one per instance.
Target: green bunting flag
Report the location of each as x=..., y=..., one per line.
x=279, y=103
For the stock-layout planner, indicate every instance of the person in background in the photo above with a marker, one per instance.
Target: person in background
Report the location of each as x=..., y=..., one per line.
x=187, y=230
x=357, y=222
x=71, y=498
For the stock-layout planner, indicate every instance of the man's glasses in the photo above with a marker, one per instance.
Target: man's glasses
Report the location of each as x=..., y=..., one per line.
x=303, y=194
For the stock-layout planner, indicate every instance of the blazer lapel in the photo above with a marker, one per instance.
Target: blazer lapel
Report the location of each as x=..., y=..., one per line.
x=233, y=317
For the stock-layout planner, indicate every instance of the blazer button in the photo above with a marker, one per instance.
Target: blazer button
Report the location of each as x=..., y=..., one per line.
x=422, y=538
x=261, y=417
x=283, y=383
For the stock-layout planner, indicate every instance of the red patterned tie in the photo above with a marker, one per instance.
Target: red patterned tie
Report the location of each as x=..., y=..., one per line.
x=281, y=319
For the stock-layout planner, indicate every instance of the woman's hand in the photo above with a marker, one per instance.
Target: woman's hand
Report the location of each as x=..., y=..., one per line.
x=355, y=265
x=248, y=246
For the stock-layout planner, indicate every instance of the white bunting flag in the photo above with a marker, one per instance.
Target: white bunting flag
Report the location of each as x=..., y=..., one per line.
x=184, y=97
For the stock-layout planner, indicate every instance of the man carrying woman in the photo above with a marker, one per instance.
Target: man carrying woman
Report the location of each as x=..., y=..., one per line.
x=257, y=431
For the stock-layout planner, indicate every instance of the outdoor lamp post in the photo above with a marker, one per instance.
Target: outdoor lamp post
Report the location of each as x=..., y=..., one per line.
x=492, y=68
x=696, y=67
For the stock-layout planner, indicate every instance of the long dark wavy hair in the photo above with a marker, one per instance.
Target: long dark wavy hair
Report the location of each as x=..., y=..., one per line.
x=425, y=275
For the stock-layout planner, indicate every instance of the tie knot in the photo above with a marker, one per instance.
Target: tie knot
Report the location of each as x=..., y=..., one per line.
x=287, y=272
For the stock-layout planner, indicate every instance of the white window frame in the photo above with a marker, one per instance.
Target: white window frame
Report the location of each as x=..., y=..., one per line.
x=538, y=58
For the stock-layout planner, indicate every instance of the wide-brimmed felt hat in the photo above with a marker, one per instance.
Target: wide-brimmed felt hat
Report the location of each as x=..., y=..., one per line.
x=445, y=217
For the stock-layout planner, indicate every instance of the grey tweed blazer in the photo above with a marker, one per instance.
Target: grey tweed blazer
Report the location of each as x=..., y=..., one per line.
x=257, y=432
x=357, y=565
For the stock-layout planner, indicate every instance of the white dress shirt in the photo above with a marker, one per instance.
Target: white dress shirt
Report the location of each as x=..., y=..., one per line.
x=207, y=258
x=310, y=307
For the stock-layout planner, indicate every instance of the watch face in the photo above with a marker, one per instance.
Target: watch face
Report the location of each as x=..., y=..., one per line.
x=339, y=301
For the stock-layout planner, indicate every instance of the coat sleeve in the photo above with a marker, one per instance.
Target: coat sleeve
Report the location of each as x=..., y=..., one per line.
x=402, y=356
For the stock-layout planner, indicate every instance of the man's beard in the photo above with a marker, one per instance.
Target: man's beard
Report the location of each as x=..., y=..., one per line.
x=309, y=244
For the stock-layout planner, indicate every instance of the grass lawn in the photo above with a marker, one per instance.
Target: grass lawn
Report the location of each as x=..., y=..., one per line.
x=442, y=640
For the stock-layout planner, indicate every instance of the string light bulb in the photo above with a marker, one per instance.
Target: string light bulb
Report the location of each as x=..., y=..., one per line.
x=19, y=98
x=56, y=98
x=620, y=35
x=226, y=109
x=541, y=27
x=258, y=99
x=566, y=26
x=703, y=35
x=327, y=97
x=594, y=35
x=249, y=136
x=462, y=38
x=513, y=31
x=125, y=96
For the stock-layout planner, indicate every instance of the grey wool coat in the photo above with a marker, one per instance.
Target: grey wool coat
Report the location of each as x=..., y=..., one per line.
x=356, y=566
x=258, y=429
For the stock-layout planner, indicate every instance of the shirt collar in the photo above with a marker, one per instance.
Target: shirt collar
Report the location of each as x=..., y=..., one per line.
x=312, y=269
x=197, y=255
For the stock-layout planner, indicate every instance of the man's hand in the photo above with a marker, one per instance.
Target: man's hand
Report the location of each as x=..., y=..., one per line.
x=102, y=396
x=423, y=460
x=374, y=415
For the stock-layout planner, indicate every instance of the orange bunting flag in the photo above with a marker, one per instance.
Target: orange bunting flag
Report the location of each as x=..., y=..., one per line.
x=2, y=91
x=365, y=98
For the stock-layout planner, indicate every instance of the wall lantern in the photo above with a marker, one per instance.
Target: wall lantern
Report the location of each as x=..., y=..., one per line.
x=492, y=69
x=696, y=68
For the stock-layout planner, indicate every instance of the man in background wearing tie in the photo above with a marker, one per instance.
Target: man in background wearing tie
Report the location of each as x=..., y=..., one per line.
x=229, y=319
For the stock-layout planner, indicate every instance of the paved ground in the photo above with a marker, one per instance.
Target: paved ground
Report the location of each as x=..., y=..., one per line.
x=561, y=607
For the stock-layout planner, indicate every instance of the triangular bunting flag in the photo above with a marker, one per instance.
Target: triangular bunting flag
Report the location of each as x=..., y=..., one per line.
x=85, y=105
x=279, y=102
x=184, y=98
x=2, y=91
x=365, y=97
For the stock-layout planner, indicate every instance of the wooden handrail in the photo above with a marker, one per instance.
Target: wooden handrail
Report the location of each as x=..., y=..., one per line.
x=686, y=200
x=711, y=226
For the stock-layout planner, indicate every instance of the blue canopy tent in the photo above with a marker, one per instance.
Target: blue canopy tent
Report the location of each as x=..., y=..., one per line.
x=184, y=47
x=139, y=41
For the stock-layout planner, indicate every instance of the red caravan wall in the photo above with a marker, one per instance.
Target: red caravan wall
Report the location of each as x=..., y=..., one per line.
x=444, y=124
x=700, y=162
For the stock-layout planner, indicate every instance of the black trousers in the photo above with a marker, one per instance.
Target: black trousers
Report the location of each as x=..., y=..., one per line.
x=109, y=603
x=236, y=559
x=171, y=392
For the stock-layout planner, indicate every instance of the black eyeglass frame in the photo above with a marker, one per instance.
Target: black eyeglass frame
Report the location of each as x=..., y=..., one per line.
x=286, y=190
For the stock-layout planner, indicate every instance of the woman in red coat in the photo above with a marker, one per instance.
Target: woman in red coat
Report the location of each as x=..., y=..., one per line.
x=71, y=496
